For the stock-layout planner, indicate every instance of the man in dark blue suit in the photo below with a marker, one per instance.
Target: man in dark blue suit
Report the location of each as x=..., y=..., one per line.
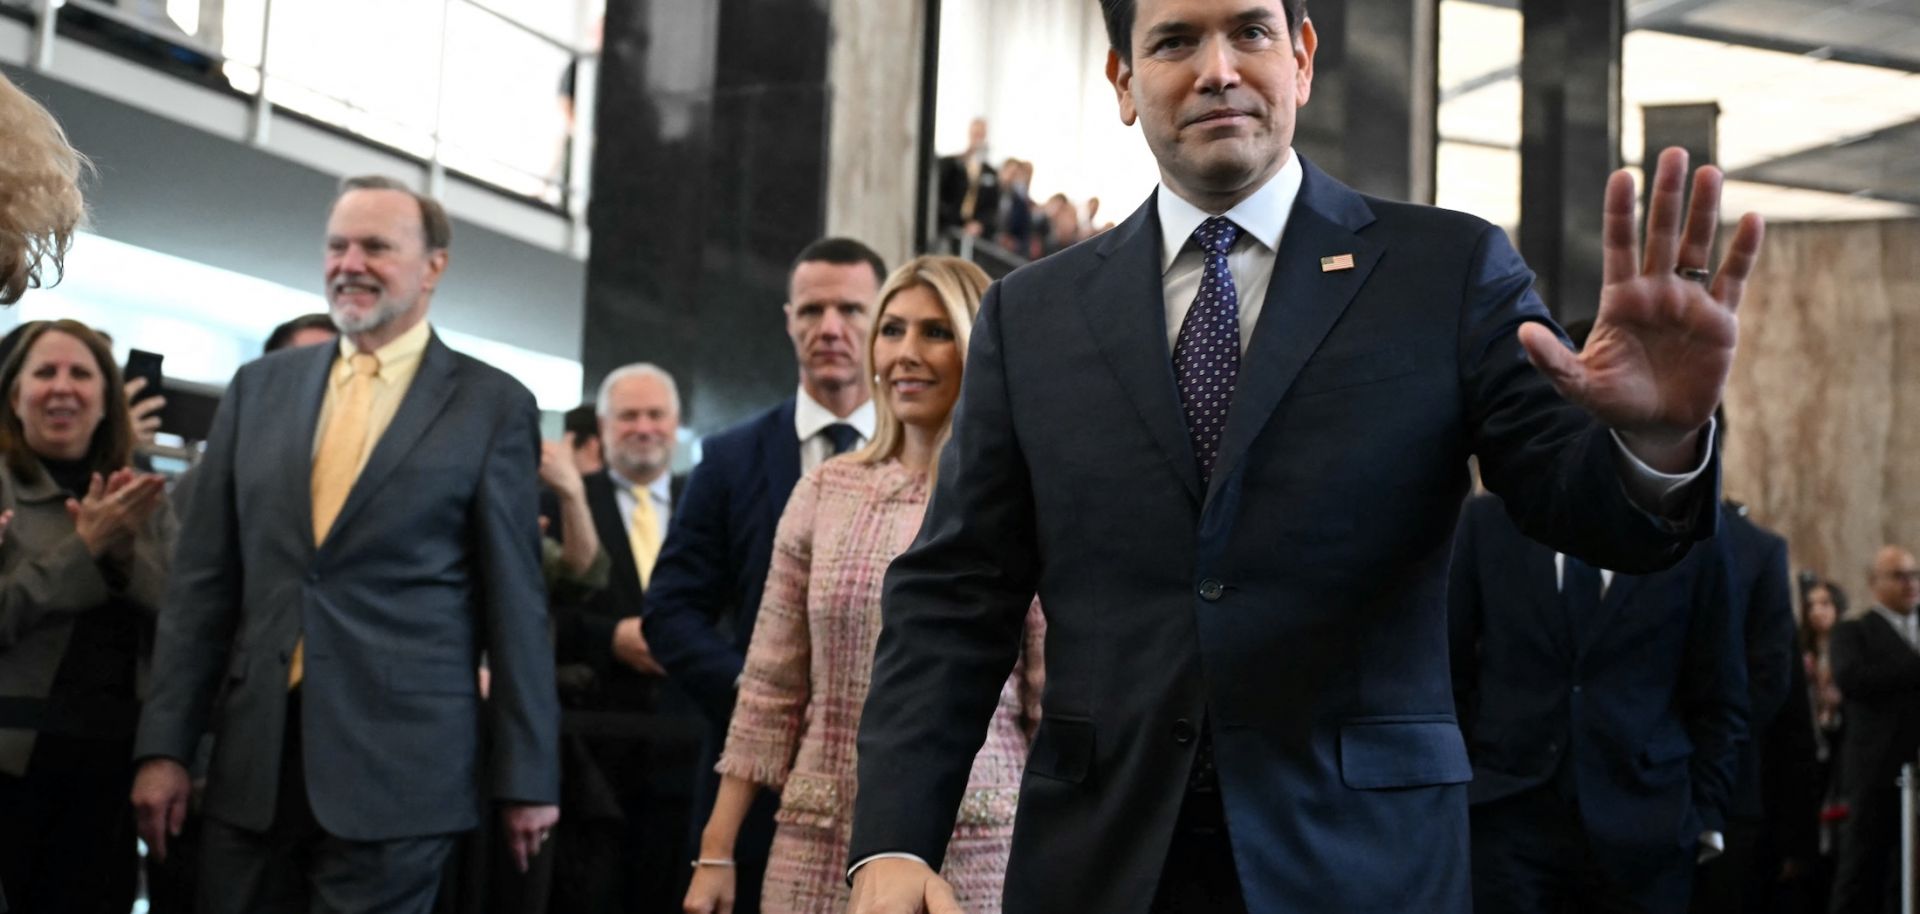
x=1604, y=714
x=1226, y=443
x=705, y=591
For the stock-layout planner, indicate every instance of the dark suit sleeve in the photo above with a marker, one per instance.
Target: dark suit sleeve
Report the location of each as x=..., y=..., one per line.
x=1791, y=781
x=523, y=707
x=1555, y=467
x=1713, y=685
x=194, y=634
x=1464, y=618
x=1771, y=653
x=1865, y=674
x=954, y=612
x=690, y=588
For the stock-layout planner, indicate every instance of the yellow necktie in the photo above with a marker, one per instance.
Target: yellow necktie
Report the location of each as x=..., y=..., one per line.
x=336, y=464
x=643, y=533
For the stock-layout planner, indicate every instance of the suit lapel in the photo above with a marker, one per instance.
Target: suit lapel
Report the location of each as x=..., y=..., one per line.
x=296, y=462
x=1618, y=595
x=1539, y=570
x=603, y=501
x=425, y=397
x=1126, y=313
x=781, y=448
x=1302, y=303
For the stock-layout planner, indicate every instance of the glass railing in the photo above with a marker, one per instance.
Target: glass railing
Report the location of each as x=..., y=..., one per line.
x=485, y=89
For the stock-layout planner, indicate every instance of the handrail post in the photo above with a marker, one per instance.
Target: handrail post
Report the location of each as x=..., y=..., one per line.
x=1909, y=805
x=45, y=27
x=262, y=107
x=437, y=169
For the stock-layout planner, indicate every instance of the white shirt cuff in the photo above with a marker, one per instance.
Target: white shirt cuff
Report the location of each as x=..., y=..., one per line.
x=894, y=855
x=1655, y=492
x=1712, y=844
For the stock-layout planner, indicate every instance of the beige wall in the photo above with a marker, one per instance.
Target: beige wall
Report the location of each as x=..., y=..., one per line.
x=1824, y=403
x=874, y=135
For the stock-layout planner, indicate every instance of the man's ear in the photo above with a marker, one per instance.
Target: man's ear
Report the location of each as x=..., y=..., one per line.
x=1303, y=49
x=436, y=267
x=1120, y=74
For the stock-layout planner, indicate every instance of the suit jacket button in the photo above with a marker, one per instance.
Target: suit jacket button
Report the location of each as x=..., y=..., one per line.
x=1211, y=590
x=1183, y=731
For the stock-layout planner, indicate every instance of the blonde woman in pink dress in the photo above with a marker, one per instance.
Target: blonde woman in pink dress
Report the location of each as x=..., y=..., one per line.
x=807, y=669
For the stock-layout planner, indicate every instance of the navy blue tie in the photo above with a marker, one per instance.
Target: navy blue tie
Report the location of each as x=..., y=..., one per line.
x=1206, y=354
x=844, y=437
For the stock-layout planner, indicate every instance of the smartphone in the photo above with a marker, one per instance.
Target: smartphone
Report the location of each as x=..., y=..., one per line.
x=144, y=364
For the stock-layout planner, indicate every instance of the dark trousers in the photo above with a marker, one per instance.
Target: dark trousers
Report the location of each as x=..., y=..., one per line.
x=1531, y=855
x=66, y=829
x=1199, y=876
x=627, y=801
x=1866, y=877
x=295, y=867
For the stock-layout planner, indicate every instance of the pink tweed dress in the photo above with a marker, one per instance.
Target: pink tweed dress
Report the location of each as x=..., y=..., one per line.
x=805, y=682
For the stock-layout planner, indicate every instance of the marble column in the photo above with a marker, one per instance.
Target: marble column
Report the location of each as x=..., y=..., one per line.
x=1371, y=121
x=1824, y=404
x=876, y=68
x=1569, y=143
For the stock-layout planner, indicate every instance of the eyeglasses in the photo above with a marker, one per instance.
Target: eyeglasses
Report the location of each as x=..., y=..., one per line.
x=1903, y=576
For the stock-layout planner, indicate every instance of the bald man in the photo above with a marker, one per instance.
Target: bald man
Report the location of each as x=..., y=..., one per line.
x=1876, y=662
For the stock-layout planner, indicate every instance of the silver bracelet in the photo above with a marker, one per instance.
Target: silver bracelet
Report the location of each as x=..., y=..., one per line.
x=711, y=861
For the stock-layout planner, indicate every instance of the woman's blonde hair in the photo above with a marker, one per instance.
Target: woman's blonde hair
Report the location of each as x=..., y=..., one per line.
x=958, y=284
x=40, y=203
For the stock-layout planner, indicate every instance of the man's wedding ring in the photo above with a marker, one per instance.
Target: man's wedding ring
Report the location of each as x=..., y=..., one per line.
x=1700, y=275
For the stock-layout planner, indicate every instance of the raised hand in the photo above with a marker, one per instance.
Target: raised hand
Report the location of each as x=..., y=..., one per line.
x=145, y=414
x=111, y=513
x=1656, y=364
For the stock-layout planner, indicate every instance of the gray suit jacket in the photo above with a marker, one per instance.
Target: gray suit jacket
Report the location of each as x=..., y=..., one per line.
x=47, y=579
x=434, y=558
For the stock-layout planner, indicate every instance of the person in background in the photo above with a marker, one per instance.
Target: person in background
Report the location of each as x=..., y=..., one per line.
x=82, y=568
x=363, y=528
x=582, y=424
x=1876, y=664
x=970, y=188
x=305, y=330
x=705, y=592
x=40, y=206
x=1823, y=604
x=812, y=653
x=1016, y=207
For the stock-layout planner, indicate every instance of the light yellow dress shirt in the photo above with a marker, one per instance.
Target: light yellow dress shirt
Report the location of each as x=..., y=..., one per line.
x=399, y=362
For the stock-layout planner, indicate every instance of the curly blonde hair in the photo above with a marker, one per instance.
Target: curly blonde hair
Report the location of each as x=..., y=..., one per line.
x=40, y=203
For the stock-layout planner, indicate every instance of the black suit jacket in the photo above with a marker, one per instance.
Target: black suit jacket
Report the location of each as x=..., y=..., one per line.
x=1762, y=592
x=705, y=592
x=1880, y=676
x=435, y=558
x=1296, y=604
x=583, y=632
x=1646, y=702
x=953, y=195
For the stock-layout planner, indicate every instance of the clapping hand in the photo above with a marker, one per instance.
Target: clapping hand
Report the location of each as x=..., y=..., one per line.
x=557, y=469
x=1656, y=364
x=109, y=516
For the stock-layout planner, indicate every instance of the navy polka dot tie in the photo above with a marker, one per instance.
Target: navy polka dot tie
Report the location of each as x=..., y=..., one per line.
x=1206, y=355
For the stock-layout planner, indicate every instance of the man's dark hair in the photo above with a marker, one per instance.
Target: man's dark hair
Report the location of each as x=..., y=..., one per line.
x=843, y=251
x=1119, y=16
x=582, y=422
x=435, y=228
x=282, y=336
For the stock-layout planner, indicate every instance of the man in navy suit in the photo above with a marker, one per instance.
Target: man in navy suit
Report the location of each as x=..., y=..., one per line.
x=705, y=591
x=1604, y=714
x=1226, y=442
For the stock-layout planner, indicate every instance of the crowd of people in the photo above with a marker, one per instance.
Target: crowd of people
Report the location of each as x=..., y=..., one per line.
x=995, y=203
x=1166, y=614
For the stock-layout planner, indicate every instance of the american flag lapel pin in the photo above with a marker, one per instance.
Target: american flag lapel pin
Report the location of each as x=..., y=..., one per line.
x=1336, y=263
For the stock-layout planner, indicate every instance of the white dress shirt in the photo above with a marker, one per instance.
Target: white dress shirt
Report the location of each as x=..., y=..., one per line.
x=660, y=490
x=810, y=421
x=1560, y=574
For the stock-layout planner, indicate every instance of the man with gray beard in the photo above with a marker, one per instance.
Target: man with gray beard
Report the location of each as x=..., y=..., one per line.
x=363, y=527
